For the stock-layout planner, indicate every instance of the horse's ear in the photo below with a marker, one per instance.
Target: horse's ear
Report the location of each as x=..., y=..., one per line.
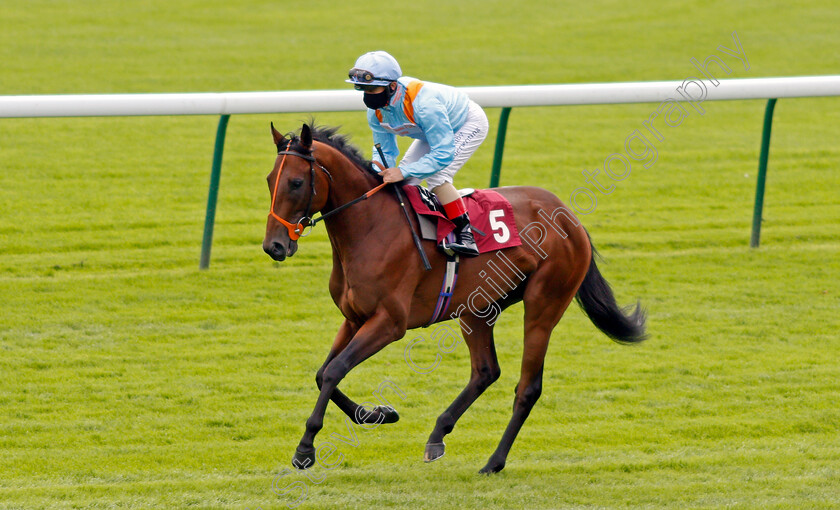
x=279, y=140
x=306, y=136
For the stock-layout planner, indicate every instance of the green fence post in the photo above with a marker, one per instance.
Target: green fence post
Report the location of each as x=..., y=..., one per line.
x=762, y=173
x=500, y=148
x=213, y=193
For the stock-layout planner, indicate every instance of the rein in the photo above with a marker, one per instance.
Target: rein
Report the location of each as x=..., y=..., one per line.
x=296, y=230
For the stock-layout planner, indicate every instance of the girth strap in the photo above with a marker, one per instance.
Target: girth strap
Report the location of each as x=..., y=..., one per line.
x=450, y=276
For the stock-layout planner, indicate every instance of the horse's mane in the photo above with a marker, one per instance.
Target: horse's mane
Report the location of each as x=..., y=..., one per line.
x=330, y=136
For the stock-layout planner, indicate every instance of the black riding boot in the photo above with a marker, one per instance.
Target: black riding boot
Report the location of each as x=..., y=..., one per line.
x=464, y=241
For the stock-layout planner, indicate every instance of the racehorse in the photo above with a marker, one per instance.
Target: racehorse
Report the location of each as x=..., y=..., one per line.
x=380, y=287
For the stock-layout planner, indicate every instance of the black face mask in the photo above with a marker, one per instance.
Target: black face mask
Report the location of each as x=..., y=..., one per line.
x=376, y=101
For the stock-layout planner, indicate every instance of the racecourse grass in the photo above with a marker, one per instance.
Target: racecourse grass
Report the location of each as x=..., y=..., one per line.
x=131, y=379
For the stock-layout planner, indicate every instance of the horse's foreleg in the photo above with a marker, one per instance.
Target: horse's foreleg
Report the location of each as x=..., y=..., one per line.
x=485, y=371
x=380, y=414
x=374, y=334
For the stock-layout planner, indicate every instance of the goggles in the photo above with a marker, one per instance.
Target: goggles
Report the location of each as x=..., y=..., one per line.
x=363, y=79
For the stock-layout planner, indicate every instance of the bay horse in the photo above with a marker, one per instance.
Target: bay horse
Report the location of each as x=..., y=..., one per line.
x=379, y=285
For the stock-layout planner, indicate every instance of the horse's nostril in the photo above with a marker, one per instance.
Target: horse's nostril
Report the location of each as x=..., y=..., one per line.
x=276, y=251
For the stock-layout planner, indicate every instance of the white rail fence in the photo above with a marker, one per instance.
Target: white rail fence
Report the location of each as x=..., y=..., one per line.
x=234, y=103
x=692, y=90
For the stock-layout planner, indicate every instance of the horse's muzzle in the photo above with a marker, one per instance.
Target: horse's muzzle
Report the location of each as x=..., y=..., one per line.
x=278, y=251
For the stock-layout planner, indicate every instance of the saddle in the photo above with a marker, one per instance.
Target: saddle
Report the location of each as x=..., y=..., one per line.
x=491, y=216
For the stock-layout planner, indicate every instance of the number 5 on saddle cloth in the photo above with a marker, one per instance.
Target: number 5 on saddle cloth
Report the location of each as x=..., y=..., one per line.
x=492, y=219
x=490, y=214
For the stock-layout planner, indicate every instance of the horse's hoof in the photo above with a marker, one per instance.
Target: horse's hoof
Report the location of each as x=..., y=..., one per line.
x=390, y=414
x=492, y=467
x=304, y=457
x=378, y=415
x=434, y=451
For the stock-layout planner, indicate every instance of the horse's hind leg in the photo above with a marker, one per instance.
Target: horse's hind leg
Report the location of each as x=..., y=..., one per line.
x=542, y=312
x=485, y=371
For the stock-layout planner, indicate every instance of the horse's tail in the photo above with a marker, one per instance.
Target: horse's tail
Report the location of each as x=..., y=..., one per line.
x=595, y=297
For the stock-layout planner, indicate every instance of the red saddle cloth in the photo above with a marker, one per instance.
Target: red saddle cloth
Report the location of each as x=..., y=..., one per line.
x=490, y=213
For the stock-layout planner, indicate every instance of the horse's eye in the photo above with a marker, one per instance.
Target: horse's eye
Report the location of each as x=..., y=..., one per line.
x=295, y=183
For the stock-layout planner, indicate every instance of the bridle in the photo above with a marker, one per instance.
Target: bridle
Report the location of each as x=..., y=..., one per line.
x=298, y=230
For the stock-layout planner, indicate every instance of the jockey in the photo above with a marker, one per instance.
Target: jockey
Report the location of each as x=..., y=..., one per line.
x=446, y=125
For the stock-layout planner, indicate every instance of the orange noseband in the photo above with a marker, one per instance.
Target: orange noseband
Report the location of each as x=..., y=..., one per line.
x=295, y=229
